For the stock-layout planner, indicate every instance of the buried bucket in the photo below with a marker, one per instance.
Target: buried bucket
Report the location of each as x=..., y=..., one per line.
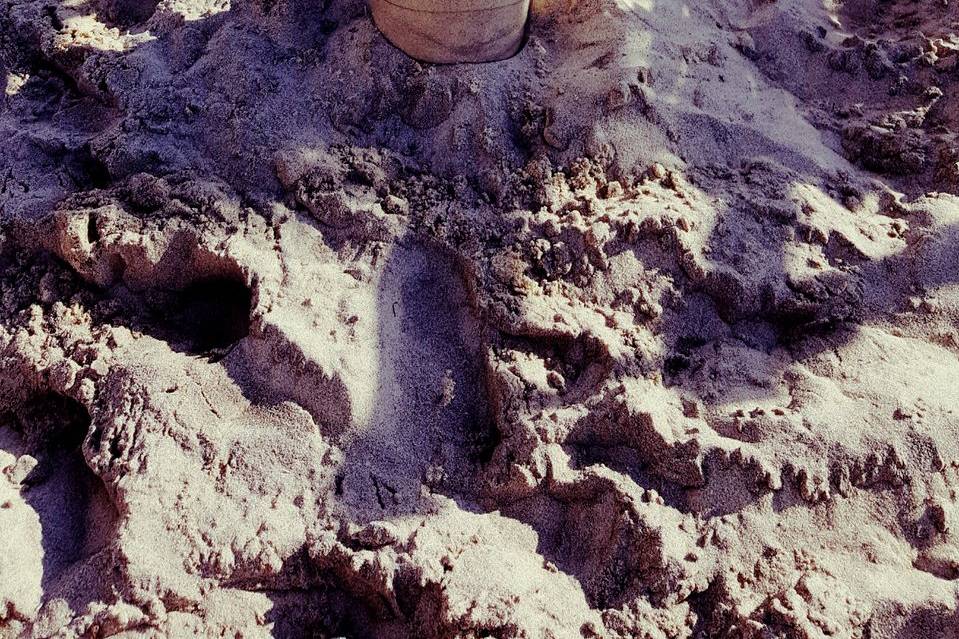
x=453, y=30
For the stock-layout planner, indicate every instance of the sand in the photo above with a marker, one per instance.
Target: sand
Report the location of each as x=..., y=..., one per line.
x=649, y=331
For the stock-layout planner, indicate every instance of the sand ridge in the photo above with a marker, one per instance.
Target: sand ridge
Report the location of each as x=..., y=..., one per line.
x=648, y=331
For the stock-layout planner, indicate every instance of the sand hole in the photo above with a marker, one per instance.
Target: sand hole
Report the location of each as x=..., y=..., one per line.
x=54, y=510
x=125, y=14
x=206, y=317
x=215, y=313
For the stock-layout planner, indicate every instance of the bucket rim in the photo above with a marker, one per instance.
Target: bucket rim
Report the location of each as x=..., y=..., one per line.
x=451, y=6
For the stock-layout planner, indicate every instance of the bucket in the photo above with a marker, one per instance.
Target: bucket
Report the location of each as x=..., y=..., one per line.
x=450, y=31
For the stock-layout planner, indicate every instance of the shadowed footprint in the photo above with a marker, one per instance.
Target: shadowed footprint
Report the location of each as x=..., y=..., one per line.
x=431, y=423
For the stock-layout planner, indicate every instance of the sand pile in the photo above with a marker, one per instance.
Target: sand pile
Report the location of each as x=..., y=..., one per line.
x=649, y=331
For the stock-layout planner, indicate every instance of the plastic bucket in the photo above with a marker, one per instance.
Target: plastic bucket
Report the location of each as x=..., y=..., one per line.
x=453, y=30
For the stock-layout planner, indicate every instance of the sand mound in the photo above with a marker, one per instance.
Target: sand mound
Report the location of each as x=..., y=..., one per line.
x=648, y=331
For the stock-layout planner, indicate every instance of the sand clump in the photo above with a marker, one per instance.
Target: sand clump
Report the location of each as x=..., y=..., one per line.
x=648, y=331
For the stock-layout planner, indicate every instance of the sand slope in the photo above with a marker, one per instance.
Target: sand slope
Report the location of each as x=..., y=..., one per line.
x=649, y=331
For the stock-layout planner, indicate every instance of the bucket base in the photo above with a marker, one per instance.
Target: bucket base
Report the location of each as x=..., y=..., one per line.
x=470, y=35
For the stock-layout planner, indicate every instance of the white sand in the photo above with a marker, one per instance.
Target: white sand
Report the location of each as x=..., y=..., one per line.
x=649, y=331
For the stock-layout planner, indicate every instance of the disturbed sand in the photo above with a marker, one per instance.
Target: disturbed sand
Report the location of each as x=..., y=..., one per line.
x=649, y=331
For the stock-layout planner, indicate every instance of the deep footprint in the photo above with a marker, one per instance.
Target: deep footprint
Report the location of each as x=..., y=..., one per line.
x=432, y=424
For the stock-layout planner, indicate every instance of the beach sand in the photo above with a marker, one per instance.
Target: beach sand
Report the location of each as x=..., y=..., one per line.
x=650, y=331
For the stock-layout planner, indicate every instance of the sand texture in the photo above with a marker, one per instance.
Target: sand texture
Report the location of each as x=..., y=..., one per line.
x=650, y=331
